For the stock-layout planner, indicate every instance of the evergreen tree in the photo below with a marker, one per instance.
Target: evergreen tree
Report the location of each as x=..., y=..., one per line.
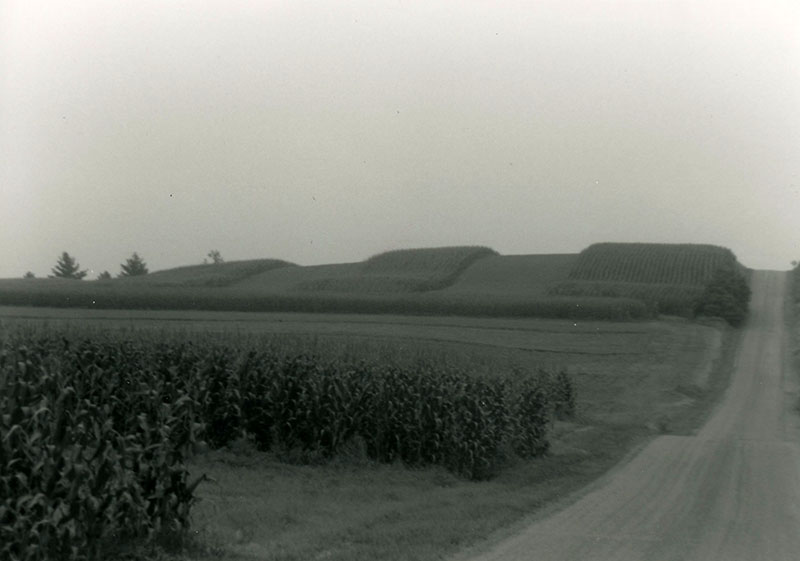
x=29, y=275
x=105, y=275
x=133, y=267
x=67, y=268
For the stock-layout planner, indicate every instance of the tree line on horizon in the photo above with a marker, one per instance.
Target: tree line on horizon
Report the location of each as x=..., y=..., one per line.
x=67, y=267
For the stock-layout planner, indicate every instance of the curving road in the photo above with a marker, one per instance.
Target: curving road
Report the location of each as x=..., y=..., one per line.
x=731, y=492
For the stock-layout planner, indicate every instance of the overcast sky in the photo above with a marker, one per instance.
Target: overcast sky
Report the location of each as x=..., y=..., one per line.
x=323, y=132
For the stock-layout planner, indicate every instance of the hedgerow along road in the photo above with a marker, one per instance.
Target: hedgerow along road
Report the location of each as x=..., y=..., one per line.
x=731, y=492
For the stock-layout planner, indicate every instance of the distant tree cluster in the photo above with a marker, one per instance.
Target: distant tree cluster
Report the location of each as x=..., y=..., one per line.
x=727, y=295
x=67, y=267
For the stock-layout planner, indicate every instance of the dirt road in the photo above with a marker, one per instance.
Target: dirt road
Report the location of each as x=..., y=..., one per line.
x=731, y=492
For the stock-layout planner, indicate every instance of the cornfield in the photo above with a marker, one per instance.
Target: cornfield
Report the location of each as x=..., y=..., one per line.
x=676, y=264
x=403, y=271
x=668, y=299
x=57, y=293
x=91, y=451
x=95, y=432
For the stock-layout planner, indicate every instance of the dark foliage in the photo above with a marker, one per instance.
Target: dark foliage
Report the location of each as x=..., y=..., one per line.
x=67, y=268
x=91, y=451
x=134, y=266
x=216, y=257
x=727, y=295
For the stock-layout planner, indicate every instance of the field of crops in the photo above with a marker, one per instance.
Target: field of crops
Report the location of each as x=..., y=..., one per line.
x=402, y=271
x=668, y=277
x=675, y=264
x=95, y=431
x=669, y=299
x=520, y=276
x=220, y=274
x=628, y=377
x=134, y=296
x=604, y=282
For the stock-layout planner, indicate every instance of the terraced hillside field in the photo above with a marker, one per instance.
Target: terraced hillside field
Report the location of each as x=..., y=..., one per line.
x=513, y=275
x=605, y=281
x=670, y=277
x=676, y=264
x=401, y=271
x=220, y=274
x=469, y=281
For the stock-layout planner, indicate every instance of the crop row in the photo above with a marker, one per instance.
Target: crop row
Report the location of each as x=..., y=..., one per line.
x=99, y=295
x=670, y=299
x=95, y=433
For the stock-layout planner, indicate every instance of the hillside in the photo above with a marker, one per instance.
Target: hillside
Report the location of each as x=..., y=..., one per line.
x=220, y=274
x=293, y=279
x=605, y=281
x=680, y=264
x=669, y=277
x=393, y=272
x=523, y=275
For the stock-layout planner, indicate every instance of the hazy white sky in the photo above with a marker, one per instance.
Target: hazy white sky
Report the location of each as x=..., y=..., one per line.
x=322, y=132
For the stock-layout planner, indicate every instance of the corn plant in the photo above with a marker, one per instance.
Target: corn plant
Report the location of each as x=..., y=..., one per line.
x=95, y=432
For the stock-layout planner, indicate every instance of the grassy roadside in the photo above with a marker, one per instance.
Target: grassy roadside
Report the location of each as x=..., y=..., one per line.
x=260, y=507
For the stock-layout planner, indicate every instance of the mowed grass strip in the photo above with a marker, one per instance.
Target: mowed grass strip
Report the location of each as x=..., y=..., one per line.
x=513, y=275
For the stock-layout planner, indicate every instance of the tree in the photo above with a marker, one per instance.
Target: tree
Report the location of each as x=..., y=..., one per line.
x=215, y=256
x=133, y=267
x=67, y=268
x=29, y=275
x=104, y=276
x=726, y=295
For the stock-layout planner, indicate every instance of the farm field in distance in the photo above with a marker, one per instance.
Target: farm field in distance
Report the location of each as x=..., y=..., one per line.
x=633, y=380
x=609, y=281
